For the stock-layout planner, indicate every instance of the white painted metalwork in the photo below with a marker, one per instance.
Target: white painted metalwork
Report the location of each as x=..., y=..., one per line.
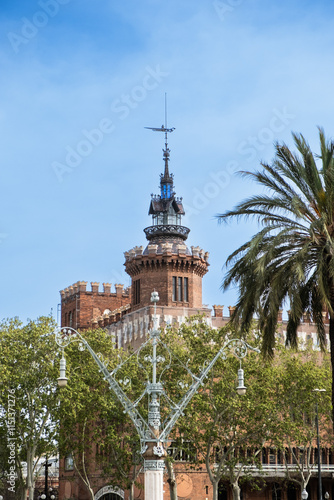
x=279, y=470
x=109, y=489
x=153, y=433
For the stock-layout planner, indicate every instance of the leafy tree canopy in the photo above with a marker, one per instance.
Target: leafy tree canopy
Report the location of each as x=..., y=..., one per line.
x=28, y=397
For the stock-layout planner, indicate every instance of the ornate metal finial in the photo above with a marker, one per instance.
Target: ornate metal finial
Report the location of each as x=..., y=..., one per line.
x=154, y=296
x=166, y=210
x=166, y=179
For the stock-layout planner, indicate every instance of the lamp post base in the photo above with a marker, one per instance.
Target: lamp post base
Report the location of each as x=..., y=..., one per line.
x=153, y=484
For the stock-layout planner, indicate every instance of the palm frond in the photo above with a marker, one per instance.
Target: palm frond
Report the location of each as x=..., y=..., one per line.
x=291, y=258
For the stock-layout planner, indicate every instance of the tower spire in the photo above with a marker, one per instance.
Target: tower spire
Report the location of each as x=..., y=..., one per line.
x=166, y=151
x=166, y=179
x=166, y=209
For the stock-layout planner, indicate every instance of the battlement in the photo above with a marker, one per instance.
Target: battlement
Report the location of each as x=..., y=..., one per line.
x=218, y=312
x=81, y=287
x=167, y=248
x=80, y=304
x=134, y=252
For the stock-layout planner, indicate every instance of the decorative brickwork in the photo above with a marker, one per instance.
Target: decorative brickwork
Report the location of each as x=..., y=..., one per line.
x=156, y=268
x=82, y=309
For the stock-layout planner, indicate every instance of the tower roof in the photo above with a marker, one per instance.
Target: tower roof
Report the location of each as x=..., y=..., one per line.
x=166, y=179
x=166, y=200
x=165, y=208
x=159, y=204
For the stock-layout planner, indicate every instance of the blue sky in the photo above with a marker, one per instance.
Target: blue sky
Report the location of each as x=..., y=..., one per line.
x=79, y=82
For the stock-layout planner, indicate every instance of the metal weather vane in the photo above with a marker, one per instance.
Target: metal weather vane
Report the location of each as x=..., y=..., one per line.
x=166, y=131
x=163, y=128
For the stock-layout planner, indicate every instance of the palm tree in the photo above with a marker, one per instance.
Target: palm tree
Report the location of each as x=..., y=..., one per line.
x=291, y=259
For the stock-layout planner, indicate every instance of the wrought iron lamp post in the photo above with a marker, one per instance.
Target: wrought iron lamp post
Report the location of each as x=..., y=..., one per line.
x=317, y=391
x=46, y=466
x=49, y=493
x=153, y=433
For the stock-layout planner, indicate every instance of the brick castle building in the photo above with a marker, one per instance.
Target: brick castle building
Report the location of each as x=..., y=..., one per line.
x=166, y=264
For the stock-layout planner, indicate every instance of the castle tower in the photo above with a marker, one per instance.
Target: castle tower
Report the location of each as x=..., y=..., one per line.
x=166, y=265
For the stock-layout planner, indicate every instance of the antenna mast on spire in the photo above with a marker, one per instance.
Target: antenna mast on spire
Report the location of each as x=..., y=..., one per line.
x=165, y=109
x=166, y=180
x=163, y=128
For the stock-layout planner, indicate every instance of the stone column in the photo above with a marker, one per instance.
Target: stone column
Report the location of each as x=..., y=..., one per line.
x=153, y=479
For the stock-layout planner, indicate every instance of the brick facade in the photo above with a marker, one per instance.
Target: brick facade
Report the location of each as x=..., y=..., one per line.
x=156, y=269
x=82, y=308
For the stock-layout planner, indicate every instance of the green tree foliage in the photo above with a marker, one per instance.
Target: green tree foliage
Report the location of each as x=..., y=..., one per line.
x=298, y=375
x=226, y=430
x=291, y=258
x=95, y=431
x=226, y=433
x=28, y=398
x=220, y=431
x=4, y=458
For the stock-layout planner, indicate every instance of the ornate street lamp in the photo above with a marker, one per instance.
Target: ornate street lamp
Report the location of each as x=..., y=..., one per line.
x=317, y=391
x=49, y=494
x=52, y=496
x=153, y=433
x=62, y=380
x=304, y=494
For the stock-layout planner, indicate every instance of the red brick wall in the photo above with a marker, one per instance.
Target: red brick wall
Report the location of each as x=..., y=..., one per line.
x=156, y=273
x=85, y=305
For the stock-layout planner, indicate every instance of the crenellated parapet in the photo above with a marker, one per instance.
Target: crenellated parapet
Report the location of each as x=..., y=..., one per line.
x=81, y=287
x=170, y=255
x=80, y=303
x=306, y=328
x=166, y=248
x=218, y=311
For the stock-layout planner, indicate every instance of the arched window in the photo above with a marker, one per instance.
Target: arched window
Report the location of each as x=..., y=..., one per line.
x=110, y=493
